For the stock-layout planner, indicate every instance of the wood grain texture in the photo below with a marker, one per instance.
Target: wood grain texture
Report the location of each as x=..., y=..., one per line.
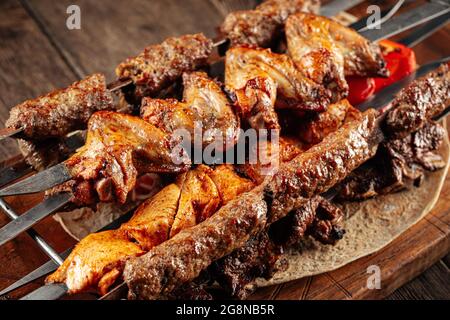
x=39, y=53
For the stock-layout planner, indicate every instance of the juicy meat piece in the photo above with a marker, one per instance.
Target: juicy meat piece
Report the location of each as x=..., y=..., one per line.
x=182, y=258
x=315, y=127
x=229, y=183
x=62, y=111
x=257, y=79
x=328, y=51
x=263, y=25
x=95, y=262
x=398, y=164
x=270, y=154
x=203, y=102
x=120, y=147
x=419, y=102
x=198, y=200
x=152, y=221
x=161, y=64
x=262, y=256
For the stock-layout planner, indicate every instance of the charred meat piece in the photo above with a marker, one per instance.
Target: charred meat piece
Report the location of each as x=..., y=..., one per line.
x=314, y=127
x=203, y=102
x=263, y=25
x=419, y=102
x=318, y=218
x=398, y=164
x=328, y=51
x=63, y=111
x=118, y=148
x=262, y=256
x=96, y=262
x=259, y=80
x=182, y=258
x=161, y=64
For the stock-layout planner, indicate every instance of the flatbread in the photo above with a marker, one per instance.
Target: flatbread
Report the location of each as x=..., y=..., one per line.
x=370, y=226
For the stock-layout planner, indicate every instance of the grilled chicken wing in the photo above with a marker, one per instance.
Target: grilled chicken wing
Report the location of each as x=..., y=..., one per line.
x=96, y=262
x=264, y=24
x=326, y=51
x=118, y=148
x=258, y=79
x=203, y=102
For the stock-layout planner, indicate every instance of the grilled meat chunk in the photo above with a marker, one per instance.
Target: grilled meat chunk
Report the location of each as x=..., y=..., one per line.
x=96, y=262
x=203, y=102
x=182, y=258
x=314, y=127
x=328, y=51
x=419, y=102
x=398, y=164
x=161, y=64
x=263, y=25
x=118, y=148
x=63, y=111
x=259, y=80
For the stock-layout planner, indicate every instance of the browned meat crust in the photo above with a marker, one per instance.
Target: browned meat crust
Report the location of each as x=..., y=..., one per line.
x=203, y=103
x=264, y=24
x=259, y=80
x=327, y=50
x=182, y=258
x=420, y=102
x=63, y=111
x=118, y=148
x=398, y=164
x=161, y=64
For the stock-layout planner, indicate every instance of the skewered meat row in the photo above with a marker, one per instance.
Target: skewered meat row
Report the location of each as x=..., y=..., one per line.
x=182, y=258
x=327, y=51
x=264, y=24
x=63, y=111
x=420, y=102
x=194, y=197
x=191, y=199
x=120, y=147
x=203, y=103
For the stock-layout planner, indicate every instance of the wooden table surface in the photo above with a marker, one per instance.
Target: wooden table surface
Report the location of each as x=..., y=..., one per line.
x=39, y=53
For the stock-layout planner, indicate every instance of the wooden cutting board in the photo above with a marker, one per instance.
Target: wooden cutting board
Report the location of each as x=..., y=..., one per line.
x=32, y=29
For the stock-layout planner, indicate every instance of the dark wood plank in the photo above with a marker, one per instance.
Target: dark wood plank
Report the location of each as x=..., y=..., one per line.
x=30, y=67
x=432, y=284
x=112, y=30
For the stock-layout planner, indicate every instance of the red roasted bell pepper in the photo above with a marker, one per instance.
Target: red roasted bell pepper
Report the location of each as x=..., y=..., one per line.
x=400, y=61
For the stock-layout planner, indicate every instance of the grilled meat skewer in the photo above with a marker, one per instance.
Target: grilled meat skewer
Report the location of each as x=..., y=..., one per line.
x=261, y=26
